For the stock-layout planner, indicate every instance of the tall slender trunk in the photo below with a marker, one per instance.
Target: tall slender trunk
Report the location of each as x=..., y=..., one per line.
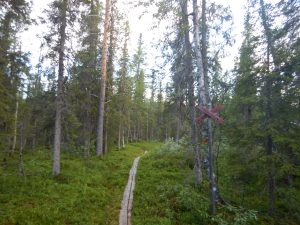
x=87, y=124
x=127, y=136
x=199, y=62
x=212, y=178
x=123, y=138
x=178, y=126
x=99, y=140
x=178, y=119
x=34, y=134
x=134, y=133
x=13, y=148
x=119, y=137
x=141, y=133
x=147, y=131
x=59, y=97
x=106, y=138
x=110, y=71
x=22, y=145
x=191, y=98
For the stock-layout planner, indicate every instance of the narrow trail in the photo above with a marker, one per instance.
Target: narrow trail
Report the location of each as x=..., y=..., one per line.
x=126, y=205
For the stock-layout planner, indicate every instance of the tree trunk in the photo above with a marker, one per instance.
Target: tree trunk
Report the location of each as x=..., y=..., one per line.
x=191, y=97
x=178, y=119
x=87, y=125
x=147, y=125
x=13, y=148
x=201, y=77
x=123, y=138
x=202, y=95
x=34, y=134
x=119, y=137
x=59, y=97
x=110, y=71
x=106, y=138
x=212, y=178
x=134, y=133
x=99, y=144
x=22, y=145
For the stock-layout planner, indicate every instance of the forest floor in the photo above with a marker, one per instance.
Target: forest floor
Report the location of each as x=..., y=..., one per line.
x=87, y=191
x=90, y=191
x=165, y=193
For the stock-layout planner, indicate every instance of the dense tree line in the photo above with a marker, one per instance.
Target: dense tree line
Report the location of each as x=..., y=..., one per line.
x=82, y=100
x=257, y=147
x=265, y=101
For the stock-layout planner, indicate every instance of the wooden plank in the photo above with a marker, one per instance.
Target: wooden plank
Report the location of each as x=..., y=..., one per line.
x=127, y=202
x=212, y=114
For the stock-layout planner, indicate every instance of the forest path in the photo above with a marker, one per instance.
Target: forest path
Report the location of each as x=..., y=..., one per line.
x=126, y=205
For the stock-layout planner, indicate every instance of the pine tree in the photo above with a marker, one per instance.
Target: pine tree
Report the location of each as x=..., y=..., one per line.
x=123, y=95
x=99, y=140
x=139, y=92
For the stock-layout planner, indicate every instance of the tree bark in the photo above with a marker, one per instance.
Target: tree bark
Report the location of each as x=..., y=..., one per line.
x=22, y=145
x=212, y=178
x=123, y=137
x=59, y=97
x=201, y=79
x=13, y=148
x=204, y=95
x=191, y=98
x=119, y=137
x=99, y=144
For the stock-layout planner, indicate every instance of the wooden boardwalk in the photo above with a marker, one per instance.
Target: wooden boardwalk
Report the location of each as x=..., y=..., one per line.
x=126, y=205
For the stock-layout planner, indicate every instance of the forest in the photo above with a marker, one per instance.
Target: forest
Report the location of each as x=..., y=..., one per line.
x=210, y=145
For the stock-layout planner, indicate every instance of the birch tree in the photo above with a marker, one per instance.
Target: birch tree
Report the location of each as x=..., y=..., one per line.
x=188, y=59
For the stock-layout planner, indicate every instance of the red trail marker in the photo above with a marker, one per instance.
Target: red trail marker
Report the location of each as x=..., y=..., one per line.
x=214, y=114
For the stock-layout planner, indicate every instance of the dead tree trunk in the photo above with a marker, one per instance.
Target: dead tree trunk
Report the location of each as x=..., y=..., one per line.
x=59, y=97
x=99, y=140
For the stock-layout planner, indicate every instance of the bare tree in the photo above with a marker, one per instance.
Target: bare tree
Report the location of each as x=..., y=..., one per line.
x=99, y=147
x=59, y=97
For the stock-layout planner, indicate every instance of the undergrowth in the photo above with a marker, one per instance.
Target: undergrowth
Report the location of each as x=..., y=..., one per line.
x=87, y=191
x=165, y=193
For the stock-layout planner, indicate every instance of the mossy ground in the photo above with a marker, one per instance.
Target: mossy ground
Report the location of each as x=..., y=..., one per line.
x=165, y=193
x=87, y=191
x=90, y=191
